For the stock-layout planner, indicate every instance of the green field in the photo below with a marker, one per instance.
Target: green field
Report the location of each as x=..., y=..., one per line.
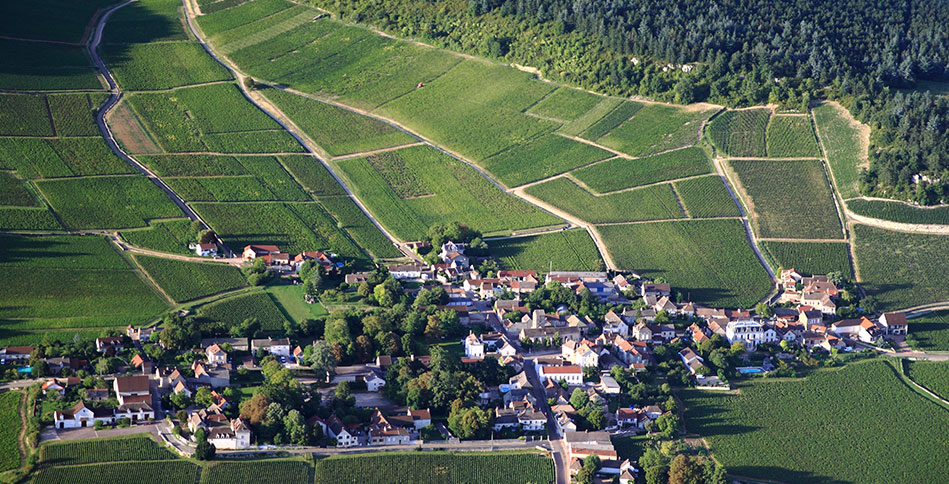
x=540, y=158
x=436, y=468
x=115, y=449
x=146, y=21
x=789, y=199
x=620, y=173
x=706, y=196
x=206, y=118
x=568, y=250
x=258, y=472
x=615, y=118
x=294, y=227
x=655, y=202
x=899, y=211
x=870, y=449
x=844, y=146
x=162, y=65
x=410, y=189
x=708, y=261
x=740, y=133
x=289, y=298
x=565, y=104
x=359, y=227
x=901, y=269
x=791, y=137
x=930, y=332
x=171, y=236
x=594, y=114
x=312, y=175
x=337, y=130
x=107, y=202
x=16, y=218
x=265, y=180
x=35, y=65
x=56, y=20
x=61, y=157
x=186, y=281
x=155, y=472
x=234, y=310
x=934, y=375
x=10, y=425
x=810, y=257
x=14, y=192
x=240, y=15
x=656, y=128
x=69, y=282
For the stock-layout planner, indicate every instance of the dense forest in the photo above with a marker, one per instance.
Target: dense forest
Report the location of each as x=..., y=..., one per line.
x=867, y=54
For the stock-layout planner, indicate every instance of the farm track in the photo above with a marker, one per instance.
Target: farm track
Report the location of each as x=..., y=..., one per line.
x=24, y=423
x=638, y=222
x=271, y=110
x=125, y=246
x=362, y=154
x=785, y=239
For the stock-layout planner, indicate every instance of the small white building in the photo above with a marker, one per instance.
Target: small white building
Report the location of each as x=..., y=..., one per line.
x=216, y=355
x=205, y=250
x=572, y=374
x=81, y=415
x=894, y=323
x=474, y=347
x=278, y=346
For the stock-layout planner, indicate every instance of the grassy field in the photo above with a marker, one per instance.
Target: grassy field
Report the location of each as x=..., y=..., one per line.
x=410, y=189
x=789, y=199
x=706, y=197
x=740, y=133
x=594, y=114
x=565, y=104
x=69, y=282
x=210, y=118
x=233, y=311
x=157, y=472
x=312, y=175
x=162, y=65
x=171, y=236
x=791, y=137
x=810, y=257
x=336, y=130
x=436, y=468
x=656, y=128
x=708, y=261
x=899, y=212
x=620, y=173
x=10, y=430
x=900, y=269
x=359, y=227
x=259, y=472
x=844, y=144
x=107, y=202
x=613, y=119
x=17, y=218
x=35, y=65
x=656, y=202
x=290, y=299
x=187, y=281
x=930, y=332
x=540, y=158
x=295, y=227
x=871, y=449
x=115, y=449
x=934, y=375
x=61, y=157
x=569, y=250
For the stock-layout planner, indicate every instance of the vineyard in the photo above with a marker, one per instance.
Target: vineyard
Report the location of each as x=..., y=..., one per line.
x=791, y=137
x=436, y=468
x=740, y=133
x=162, y=65
x=899, y=211
x=171, y=236
x=585, y=120
x=233, y=311
x=107, y=202
x=359, y=227
x=186, y=281
x=140, y=447
x=61, y=157
x=540, y=158
x=13, y=192
x=335, y=129
x=789, y=199
x=709, y=261
x=13, y=218
x=845, y=146
x=146, y=21
x=706, y=197
x=34, y=65
x=615, y=118
x=312, y=175
x=565, y=104
x=656, y=128
x=569, y=250
x=10, y=424
x=156, y=472
x=459, y=193
x=934, y=375
x=810, y=257
x=902, y=269
x=656, y=202
x=620, y=173
x=930, y=332
x=899, y=437
x=258, y=472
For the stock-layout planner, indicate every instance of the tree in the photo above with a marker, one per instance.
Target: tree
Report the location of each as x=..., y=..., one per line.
x=248, y=328
x=180, y=400
x=467, y=422
x=254, y=410
x=295, y=427
x=433, y=330
x=364, y=352
x=668, y=425
x=40, y=369
x=763, y=310
x=343, y=393
x=685, y=469
x=321, y=360
x=179, y=333
x=596, y=419
x=579, y=398
x=203, y=450
x=203, y=398
x=364, y=289
x=383, y=296
x=337, y=331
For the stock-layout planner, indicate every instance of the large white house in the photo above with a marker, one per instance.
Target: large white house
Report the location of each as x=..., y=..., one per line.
x=81, y=415
x=572, y=374
x=749, y=332
x=474, y=348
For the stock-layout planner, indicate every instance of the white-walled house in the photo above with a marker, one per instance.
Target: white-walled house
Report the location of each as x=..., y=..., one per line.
x=278, y=346
x=474, y=347
x=81, y=415
x=572, y=374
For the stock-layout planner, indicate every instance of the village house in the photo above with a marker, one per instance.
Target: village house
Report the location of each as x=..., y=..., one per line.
x=237, y=344
x=109, y=345
x=750, y=332
x=81, y=415
x=407, y=271
x=894, y=323
x=135, y=412
x=420, y=418
x=205, y=250
x=454, y=255
x=252, y=252
x=325, y=261
x=583, y=444
x=631, y=417
x=274, y=346
x=334, y=428
x=216, y=356
x=692, y=361
x=357, y=278
x=139, y=334
x=571, y=374
x=820, y=301
x=579, y=354
x=132, y=389
x=223, y=432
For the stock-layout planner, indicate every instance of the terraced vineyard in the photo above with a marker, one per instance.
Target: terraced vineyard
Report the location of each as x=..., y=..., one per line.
x=186, y=281
x=569, y=250
x=845, y=146
x=929, y=332
x=810, y=257
x=620, y=173
x=740, y=133
x=791, y=136
x=656, y=202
